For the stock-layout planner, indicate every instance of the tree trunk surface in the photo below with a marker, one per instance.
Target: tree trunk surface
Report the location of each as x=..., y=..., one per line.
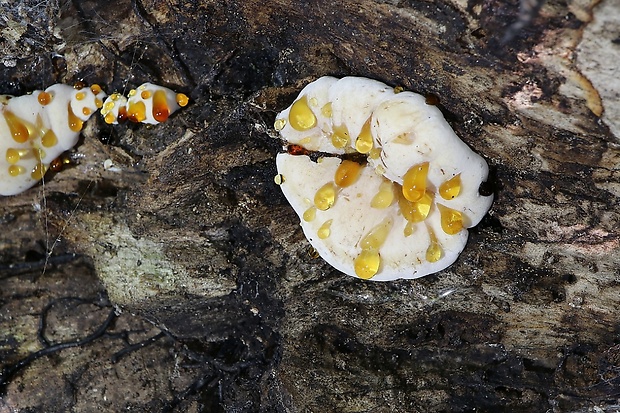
x=179, y=279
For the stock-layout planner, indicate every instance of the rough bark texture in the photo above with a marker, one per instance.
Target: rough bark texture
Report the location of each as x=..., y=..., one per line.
x=181, y=279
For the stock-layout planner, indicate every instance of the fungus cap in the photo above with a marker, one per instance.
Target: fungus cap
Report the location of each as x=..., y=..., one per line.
x=401, y=207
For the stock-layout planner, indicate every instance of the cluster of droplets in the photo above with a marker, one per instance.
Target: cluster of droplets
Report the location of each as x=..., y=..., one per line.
x=415, y=197
x=35, y=129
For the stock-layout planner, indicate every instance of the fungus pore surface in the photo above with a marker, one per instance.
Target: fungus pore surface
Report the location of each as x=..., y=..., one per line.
x=37, y=128
x=383, y=186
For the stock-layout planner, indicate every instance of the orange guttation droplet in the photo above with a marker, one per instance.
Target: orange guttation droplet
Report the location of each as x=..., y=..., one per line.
x=364, y=143
x=325, y=196
x=79, y=85
x=145, y=94
x=86, y=111
x=161, y=111
x=56, y=165
x=122, y=115
x=347, y=173
x=98, y=103
x=75, y=123
x=136, y=111
x=451, y=188
x=340, y=136
x=301, y=116
x=17, y=127
x=96, y=89
x=12, y=155
x=49, y=139
x=16, y=170
x=451, y=220
x=44, y=98
x=80, y=96
x=414, y=182
x=38, y=171
x=182, y=99
x=416, y=211
x=434, y=251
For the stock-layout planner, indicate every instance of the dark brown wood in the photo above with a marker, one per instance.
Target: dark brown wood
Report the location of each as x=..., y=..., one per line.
x=220, y=304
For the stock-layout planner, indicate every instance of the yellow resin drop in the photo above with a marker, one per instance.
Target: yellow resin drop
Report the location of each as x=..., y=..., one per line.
x=340, y=137
x=451, y=220
x=182, y=99
x=363, y=143
x=347, y=173
x=44, y=98
x=325, y=229
x=279, y=124
x=367, y=264
x=38, y=171
x=300, y=116
x=416, y=211
x=376, y=237
x=325, y=196
x=451, y=188
x=17, y=127
x=414, y=182
x=309, y=214
x=434, y=251
x=136, y=112
x=12, y=156
x=16, y=170
x=385, y=197
x=49, y=139
x=326, y=110
x=409, y=229
x=75, y=123
x=375, y=153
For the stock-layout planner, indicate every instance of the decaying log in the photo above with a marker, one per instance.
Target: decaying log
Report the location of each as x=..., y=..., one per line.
x=220, y=305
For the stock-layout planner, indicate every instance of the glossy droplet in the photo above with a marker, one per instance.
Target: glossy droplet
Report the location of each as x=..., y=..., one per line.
x=451, y=188
x=16, y=170
x=313, y=102
x=12, y=156
x=325, y=229
x=182, y=99
x=109, y=118
x=300, y=116
x=17, y=127
x=326, y=110
x=80, y=95
x=44, y=98
x=122, y=114
x=96, y=89
x=278, y=179
x=375, y=153
x=416, y=211
x=434, y=251
x=340, y=137
x=347, y=173
x=325, y=196
x=451, y=220
x=136, y=112
x=49, y=139
x=98, y=103
x=146, y=94
x=131, y=93
x=363, y=143
x=38, y=171
x=279, y=124
x=367, y=264
x=309, y=214
x=409, y=229
x=75, y=123
x=376, y=237
x=161, y=111
x=385, y=197
x=414, y=182
x=86, y=111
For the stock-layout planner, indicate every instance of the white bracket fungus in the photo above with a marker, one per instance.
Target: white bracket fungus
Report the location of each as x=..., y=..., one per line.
x=37, y=128
x=399, y=190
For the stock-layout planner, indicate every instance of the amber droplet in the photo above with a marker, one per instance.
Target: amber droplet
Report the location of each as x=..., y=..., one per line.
x=416, y=211
x=75, y=123
x=38, y=171
x=17, y=127
x=301, y=116
x=309, y=214
x=146, y=94
x=109, y=118
x=451, y=188
x=367, y=264
x=376, y=237
x=451, y=220
x=325, y=229
x=44, y=98
x=414, y=182
x=347, y=173
x=96, y=89
x=325, y=196
x=363, y=143
x=16, y=170
x=385, y=197
x=326, y=110
x=161, y=111
x=409, y=229
x=86, y=111
x=434, y=251
x=12, y=156
x=49, y=139
x=136, y=111
x=340, y=136
x=80, y=96
x=122, y=115
x=182, y=99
